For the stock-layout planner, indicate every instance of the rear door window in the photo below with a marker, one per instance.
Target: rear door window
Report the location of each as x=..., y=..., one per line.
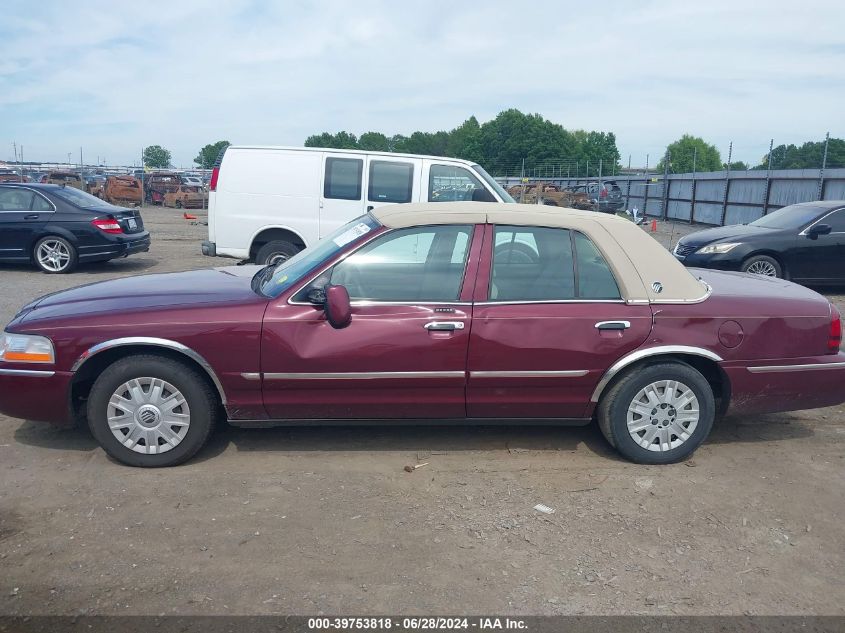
x=15, y=199
x=343, y=178
x=391, y=181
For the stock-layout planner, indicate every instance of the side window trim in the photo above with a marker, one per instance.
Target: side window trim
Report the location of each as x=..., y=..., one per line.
x=38, y=194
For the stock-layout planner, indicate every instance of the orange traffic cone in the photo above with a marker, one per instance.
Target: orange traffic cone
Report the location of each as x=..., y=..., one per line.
x=188, y=216
x=654, y=226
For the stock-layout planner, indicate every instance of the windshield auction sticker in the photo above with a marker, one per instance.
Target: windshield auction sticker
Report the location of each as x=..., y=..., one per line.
x=354, y=233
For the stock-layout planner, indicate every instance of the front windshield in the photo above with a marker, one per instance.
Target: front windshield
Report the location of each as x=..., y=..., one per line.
x=791, y=217
x=271, y=281
x=504, y=195
x=81, y=199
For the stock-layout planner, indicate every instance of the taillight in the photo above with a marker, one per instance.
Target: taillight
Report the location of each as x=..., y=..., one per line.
x=834, y=338
x=107, y=226
x=212, y=185
x=603, y=193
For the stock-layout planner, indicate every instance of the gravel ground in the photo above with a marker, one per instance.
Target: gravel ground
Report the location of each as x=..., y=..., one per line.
x=322, y=520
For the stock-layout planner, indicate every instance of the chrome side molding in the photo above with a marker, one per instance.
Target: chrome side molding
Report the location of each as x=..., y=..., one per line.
x=569, y=373
x=31, y=373
x=154, y=342
x=768, y=369
x=363, y=375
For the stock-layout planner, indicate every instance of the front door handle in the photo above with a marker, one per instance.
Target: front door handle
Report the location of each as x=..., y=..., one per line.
x=31, y=216
x=441, y=326
x=613, y=325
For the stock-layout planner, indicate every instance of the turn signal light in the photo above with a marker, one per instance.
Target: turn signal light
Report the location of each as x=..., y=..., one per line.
x=108, y=225
x=24, y=348
x=834, y=339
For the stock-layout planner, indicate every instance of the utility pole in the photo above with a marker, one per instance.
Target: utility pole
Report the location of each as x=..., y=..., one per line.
x=80, y=158
x=727, y=184
x=824, y=164
x=692, y=187
x=768, y=188
x=68, y=158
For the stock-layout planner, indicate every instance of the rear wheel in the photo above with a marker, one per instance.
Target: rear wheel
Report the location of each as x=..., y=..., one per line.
x=762, y=265
x=55, y=255
x=658, y=414
x=275, y=252
x=151, y=411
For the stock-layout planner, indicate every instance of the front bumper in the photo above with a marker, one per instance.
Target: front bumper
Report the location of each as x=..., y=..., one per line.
x=790, y=384
x=33, y=393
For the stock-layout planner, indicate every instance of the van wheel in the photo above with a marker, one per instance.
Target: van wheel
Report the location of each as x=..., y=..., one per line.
x=151, y=411
x=275, y=252
x=658, y=414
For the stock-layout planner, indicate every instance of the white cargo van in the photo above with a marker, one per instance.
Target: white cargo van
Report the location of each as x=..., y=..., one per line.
x=268, y=203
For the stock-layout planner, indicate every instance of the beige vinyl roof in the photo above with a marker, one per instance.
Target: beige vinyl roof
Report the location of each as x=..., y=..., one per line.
x=639, y=262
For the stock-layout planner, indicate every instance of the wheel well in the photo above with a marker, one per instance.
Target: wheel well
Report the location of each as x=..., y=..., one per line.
x=84, y=377
x=269, y=235
x=715, y=375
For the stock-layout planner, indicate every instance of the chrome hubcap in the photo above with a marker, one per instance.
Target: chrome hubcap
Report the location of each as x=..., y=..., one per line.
x=276, y=258
x=762, y=268
x=53, y=255
x=148, y=415
x=663, y=415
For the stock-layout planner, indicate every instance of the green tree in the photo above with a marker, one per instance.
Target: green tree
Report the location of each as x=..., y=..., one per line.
x=341, y=140
x=739, y=165
x=682, y=152
x=806, y=156
x=499, y=145
x=374, y=142
x=156, y=156
x=208, y=154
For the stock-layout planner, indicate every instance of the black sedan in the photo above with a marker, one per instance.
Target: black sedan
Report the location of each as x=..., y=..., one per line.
x=803, y=242
x=57, y=227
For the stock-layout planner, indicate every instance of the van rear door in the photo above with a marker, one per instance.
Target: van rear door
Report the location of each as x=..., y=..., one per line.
x=341, y=190
x=393, y=180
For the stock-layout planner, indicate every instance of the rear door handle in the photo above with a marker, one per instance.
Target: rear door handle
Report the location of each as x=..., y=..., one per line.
x=440, y=326
x=31, y=216
x=613, y=325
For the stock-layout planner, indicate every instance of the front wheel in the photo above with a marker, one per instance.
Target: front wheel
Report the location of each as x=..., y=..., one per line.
x=151, y=411
x=762, y=265
x=658, y=414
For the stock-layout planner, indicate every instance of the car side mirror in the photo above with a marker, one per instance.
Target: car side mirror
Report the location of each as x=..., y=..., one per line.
x=818, y=229
x=337, y=307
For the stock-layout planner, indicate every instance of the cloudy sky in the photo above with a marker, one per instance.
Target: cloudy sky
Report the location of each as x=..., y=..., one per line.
x=114, y=76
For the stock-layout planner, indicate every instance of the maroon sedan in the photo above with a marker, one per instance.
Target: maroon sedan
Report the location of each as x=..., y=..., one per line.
x=450, y=313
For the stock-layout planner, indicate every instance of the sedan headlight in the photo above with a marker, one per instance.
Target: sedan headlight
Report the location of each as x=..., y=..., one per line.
x=25, y=348
x=713, y=249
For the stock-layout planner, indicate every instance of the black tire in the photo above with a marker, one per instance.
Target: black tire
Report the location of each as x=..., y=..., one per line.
x=70, y=264
x=613, y=411
x=200, y=397
x=763, y=262
x=277, y=249
x=178, y=204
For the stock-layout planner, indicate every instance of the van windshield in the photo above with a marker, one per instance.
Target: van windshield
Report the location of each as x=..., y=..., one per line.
x=504, y=195
x=273, y=280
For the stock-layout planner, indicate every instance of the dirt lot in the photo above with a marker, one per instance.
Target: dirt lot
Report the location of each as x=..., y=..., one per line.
x=309, y=521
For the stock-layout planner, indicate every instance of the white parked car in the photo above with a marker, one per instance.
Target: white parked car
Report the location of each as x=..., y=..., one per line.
x=268, y=203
